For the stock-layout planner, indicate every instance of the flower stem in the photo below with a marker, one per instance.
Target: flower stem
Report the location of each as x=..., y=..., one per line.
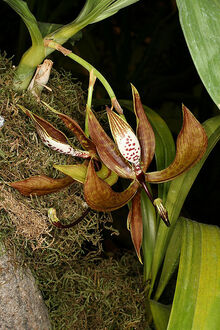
x=89, y=67
x=92, y=79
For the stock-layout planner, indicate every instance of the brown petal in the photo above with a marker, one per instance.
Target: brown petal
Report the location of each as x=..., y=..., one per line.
x=52, y=137
x=145, y=132
x=136, y=224
x=107, y=149
x=190, y=147
x=70, y=123
x=41, y=185
x=99, y=195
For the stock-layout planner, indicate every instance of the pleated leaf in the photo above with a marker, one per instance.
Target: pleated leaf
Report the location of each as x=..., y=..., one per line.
x=179, y=189
x=96, y=10
x=41, y=185
x=171, y=259
x=160, y=314
x=149, y=232
x=22, y=9
x=196, y=301
x=200, y=24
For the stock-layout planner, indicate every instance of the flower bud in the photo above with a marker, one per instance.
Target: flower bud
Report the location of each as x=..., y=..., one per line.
x=161, y=211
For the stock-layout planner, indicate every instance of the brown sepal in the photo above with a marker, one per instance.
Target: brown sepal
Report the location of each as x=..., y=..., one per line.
x=85, y=142
x=41, y=185
x=144, y=133
x=107, y=149
x=100, y=196
x=136, y=224
x=190, y=147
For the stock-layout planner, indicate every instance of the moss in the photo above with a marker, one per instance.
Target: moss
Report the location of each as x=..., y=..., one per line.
x=81, y=287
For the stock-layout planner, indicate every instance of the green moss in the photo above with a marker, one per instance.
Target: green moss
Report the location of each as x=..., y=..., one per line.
x=81, y=287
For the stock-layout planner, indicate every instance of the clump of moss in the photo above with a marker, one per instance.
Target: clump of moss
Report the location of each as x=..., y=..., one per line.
x=82, y=289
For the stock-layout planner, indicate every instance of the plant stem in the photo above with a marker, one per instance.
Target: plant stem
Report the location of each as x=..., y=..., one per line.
x=92, y=79
x=89, y=67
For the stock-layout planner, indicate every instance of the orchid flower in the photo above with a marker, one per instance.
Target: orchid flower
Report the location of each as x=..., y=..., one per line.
x=128, y=157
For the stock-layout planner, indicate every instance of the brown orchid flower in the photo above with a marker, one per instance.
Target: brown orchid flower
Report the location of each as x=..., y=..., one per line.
x=128, y=157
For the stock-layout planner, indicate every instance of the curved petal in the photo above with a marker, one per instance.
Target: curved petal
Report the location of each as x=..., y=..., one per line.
x=145, y=132
x=124, y=137
x=136, y=224
x=52, y=137
x=41, y=185
x=70, y=123
x=99, y=195
x=107, y=149
x=190, y=147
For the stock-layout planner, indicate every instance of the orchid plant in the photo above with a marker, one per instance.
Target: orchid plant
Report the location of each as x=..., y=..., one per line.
x=191, y=245
x=128, y=157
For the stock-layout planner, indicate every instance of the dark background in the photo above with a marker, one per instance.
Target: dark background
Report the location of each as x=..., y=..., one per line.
x=142, y=44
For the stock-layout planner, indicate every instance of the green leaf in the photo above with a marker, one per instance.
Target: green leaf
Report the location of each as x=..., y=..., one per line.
x=96, y=10
x=201, y=28
x=179, y=189
x=171, y=259
x=22, y=9
x=160, y=314
x=197, y=296
x=149, y=232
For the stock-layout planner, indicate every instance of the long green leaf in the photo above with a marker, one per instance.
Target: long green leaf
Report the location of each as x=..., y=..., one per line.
x=22, y=9
x=179, y=189
x=171, y=259
x=149, y=232
x=97, y=10
x=160, y=314
x=197, y=295
x=201, y=28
